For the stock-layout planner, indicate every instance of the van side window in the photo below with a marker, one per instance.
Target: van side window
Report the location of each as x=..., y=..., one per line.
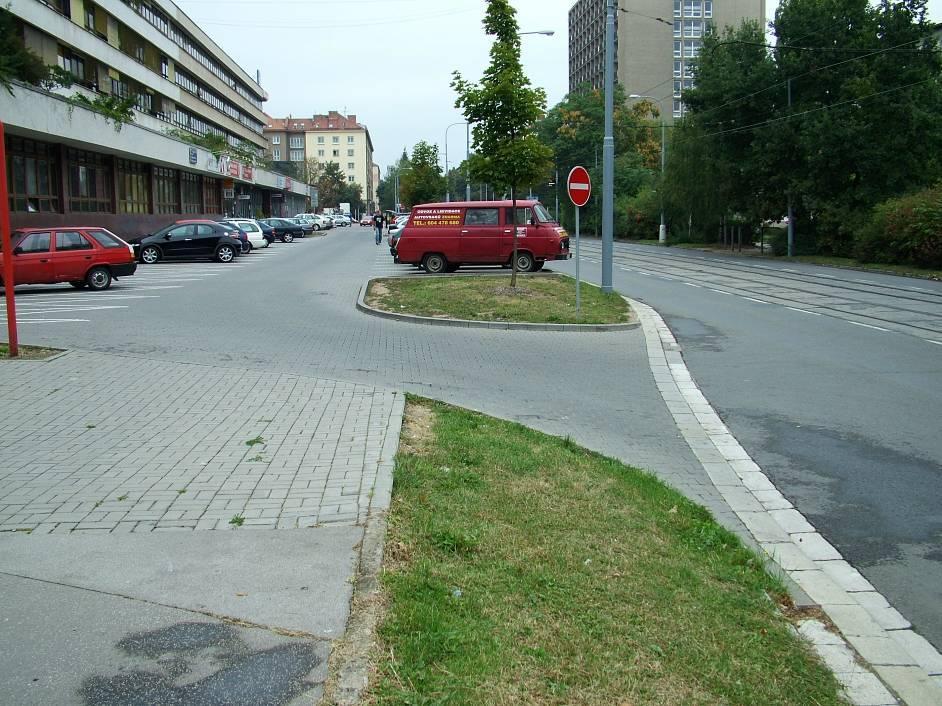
x=523, y=216
x=481, y=217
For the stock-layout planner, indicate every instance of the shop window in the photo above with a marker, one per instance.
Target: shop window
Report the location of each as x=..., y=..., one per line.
x=165, y=191
x=191, y=193
x=89, y=182
x=31, y=176
x=133, y=187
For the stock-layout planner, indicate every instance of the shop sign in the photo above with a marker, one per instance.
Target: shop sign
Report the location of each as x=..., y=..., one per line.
x=247, y=172
x=288, y=183
x=228, y=194
x=245, y=197
x=193, y=155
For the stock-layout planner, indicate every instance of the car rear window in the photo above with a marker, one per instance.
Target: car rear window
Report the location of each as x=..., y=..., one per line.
x=105, y=239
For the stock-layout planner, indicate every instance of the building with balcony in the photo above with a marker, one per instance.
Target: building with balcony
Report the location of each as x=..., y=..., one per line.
x=63, y=158
x=655, y=44
x=326, y=138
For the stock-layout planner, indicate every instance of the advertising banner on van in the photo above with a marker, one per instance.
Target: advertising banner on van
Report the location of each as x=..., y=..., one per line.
x=429, y=217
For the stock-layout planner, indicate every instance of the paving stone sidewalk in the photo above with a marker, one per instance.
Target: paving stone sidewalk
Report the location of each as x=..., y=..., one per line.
x=91, y=442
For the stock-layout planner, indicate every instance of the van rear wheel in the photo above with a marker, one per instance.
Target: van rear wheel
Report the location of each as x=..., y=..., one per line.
x=434, y=263
x=524, y=262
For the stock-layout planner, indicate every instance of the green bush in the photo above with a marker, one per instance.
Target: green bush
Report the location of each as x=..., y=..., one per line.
x=805, y=242
x=641, y=215
x=906, y=231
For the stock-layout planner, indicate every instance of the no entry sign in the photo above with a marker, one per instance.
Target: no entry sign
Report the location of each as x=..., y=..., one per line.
x=579, y=186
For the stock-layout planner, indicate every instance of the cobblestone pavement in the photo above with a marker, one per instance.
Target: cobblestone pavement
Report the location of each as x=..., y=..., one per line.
x=93, y=442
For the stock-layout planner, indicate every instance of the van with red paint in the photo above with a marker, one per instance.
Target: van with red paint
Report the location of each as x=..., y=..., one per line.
x=441, y=237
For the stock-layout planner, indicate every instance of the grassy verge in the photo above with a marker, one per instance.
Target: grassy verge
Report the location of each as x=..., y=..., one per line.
x=28, y=352
x=523, y=569
x=543, y=299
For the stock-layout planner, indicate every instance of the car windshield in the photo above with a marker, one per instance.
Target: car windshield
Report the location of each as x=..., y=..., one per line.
x=542, y=213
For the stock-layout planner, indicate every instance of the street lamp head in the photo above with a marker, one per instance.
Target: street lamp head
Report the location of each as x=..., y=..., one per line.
x=545, y=32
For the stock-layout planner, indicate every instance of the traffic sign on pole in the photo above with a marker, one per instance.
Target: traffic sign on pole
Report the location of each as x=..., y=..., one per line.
x=8, y=282
x=579, y=186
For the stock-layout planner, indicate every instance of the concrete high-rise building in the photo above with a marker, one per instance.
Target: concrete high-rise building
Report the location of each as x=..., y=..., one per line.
x=655, y=43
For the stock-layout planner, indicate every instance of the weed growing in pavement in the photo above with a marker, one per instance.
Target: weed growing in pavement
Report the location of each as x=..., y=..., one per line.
x=257, y=440
x=98, y=503
x=89, y=426
x=181, y=491
x=237, y=520
x=123, y=497
x=257, y=458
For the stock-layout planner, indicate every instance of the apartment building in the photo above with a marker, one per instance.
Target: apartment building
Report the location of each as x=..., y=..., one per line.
x=333, y=137
x=63, y=158
x=655, y=43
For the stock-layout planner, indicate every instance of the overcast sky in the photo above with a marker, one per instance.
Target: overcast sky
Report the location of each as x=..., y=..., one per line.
x=387, y=61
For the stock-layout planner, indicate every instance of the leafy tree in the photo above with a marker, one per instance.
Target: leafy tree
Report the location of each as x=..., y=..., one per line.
x=502, y=111
x=424, y=181
x=16, y=61
x=352, y=193
x=331, y=185
x=386, y=191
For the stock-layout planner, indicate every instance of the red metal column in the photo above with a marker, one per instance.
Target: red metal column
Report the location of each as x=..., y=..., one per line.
x=7, y=249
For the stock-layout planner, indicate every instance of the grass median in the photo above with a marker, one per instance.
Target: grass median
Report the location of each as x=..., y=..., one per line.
x=543, y=299
x=521, y=568
x=28, y=352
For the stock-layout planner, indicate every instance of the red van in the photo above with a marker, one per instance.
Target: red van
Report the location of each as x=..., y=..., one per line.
x=83, y=257
x=443, y=236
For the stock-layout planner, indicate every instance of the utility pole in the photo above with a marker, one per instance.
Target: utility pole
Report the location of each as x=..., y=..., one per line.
x=608, y=150
x=791, y=213
x=467, y=161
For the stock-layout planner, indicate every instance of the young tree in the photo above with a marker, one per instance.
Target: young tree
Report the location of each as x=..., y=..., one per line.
x=502, y=110
x=330, y=185
x=424, y=181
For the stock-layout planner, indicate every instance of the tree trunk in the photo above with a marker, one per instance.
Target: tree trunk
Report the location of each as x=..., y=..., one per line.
x=513, y=224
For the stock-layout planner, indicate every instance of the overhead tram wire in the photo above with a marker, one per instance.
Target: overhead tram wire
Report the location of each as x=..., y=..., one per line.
x=376, y=23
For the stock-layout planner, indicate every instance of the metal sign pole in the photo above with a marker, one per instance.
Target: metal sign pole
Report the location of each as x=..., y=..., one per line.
x=8, y=282
x=578, y=293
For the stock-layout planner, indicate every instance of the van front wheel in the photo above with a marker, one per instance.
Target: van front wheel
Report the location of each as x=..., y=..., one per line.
x=434, y=264
x=524, y=262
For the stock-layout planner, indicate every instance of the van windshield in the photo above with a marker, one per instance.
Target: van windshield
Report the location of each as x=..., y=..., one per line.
x=542, y=213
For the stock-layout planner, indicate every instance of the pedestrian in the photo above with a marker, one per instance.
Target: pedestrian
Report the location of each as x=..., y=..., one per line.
x=378, y=226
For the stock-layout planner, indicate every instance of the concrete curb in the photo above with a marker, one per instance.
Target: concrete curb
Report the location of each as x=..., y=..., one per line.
x=501, y=325
x=876, y=639
x=51, y=358
x=352, y=673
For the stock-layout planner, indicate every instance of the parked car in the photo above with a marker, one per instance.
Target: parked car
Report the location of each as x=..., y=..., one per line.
x=82, y=256
x=267, y=232
x=306, y=225
x=322, y=221
x=252, y=230
x=340, y=221
x=191, y=239
x=443, y=236
x=316, y=220
x=283, y=229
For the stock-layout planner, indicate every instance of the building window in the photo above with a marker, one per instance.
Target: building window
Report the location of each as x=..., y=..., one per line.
x=688, y=70
x=164, y=66
x=708, y=8
x=691, y=48
x=297, y=155
x=677, y=4
x=349, y=153
x=678, y=108
x=276, y=139
x=350, y=139
x=351, y=165
x=351, y=178
x=31, y=176
x=191, y=193
x=73, y=63
x=165, y=191
x=320, y=153
x=89, y=182
x=692, y=28
x=677, y=89
x=336, y=139
x=296, y=142
x=276, y=154
x=678, y=68
x=678, y=45
x=320, y=139
x=336, y=153
x=211, y=195
x=133, y=187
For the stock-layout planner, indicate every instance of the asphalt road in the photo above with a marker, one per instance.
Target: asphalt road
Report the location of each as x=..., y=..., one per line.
x=829, y=378
x=832, y=380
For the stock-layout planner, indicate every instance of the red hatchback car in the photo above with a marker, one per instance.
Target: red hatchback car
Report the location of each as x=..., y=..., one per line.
x=84, y=257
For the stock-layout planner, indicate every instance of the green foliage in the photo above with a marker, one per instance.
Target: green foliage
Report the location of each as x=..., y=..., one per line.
x=386, y=191
x=641, y=215
x=18, y=63
x=502, y=110
x=905, y=230
x=120, y=111
x=865, y=98
x=331, y=185
x=423, y=183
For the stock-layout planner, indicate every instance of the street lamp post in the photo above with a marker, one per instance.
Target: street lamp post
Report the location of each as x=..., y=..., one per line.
x=608, y=150
x=662, y=228
x=447, y=177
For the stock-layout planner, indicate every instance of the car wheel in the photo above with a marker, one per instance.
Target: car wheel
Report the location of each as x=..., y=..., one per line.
x=78, y=283
x=316, y=227
x=98, y=278
x=524, y=262
x=247, y=247
x=226, y=253
x=287, y=238
x=150, y=255
x=434, y=264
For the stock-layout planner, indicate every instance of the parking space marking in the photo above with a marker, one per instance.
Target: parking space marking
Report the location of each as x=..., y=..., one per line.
x=875, y=328
x=803, y=311
x=51, y=321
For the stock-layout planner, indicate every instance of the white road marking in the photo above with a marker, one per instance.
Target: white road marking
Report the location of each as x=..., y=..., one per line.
x=803, y=311
x=929, y=340
x=875, y=328
x=758, y=301
x=719, y=291
x=691, y=284
x=51, y=321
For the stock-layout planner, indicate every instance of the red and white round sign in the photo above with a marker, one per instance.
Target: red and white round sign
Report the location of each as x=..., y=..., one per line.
x=579, y=186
